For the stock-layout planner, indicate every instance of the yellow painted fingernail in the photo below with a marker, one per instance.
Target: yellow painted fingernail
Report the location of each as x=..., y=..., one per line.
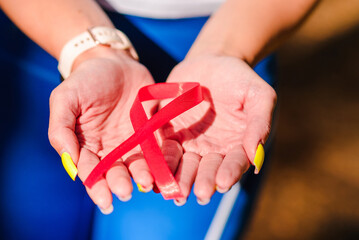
x=140, y=188
x=143, y=189
x=69, y=165
x=259, y=159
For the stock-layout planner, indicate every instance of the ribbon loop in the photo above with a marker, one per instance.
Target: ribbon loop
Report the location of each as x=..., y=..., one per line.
x=186, y=96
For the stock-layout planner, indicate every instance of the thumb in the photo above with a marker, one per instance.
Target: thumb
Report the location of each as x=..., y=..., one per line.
x=62, y=123
x=258, y=128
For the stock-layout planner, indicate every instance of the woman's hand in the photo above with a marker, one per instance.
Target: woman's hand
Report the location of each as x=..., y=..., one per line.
x=221, y=135
x=89, y=117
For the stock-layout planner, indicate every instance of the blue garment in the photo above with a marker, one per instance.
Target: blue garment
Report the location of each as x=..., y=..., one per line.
x=38, y=199
x=37, y=196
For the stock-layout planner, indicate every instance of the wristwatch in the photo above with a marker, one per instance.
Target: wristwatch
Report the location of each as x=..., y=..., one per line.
x=90, y=38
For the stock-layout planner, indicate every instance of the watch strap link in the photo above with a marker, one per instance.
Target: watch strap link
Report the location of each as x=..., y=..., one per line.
x=89, y=39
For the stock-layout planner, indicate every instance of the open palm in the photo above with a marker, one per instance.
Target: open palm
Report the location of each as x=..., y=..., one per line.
x=220, y=136
x=89, y=117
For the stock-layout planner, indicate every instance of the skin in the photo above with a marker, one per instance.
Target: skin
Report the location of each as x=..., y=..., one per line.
x=93, y=119
x=221, y=134
x=89, y=110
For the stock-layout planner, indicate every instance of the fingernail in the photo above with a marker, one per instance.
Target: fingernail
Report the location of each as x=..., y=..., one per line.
x=143, y=189
x=107, y=211
x=203, y=201
x=125, y=199
x=69, y=165
x=258, y=159
x=180, y=202
x=221, y=190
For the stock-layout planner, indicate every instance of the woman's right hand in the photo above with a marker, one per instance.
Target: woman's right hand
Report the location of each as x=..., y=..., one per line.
x=89, y=116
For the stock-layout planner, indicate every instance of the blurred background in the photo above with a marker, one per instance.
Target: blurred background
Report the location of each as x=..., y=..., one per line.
x=312, y=184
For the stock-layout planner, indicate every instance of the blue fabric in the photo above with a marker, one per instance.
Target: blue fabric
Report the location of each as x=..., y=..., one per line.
x=148, y=216
x=38, y=200
x=173, y=36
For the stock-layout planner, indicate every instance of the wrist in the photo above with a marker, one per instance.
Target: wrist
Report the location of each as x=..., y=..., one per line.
x=220, y=47
x=101, y=51
x=93, y=42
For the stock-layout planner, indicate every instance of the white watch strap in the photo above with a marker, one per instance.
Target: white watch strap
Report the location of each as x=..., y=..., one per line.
x=89, y=39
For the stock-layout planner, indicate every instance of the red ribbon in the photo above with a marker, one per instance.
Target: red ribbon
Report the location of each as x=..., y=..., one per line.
x=186, y=96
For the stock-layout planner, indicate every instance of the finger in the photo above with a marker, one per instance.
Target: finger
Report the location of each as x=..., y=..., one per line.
x=205, y=181
x=119, y=180
x=260, y=113
x=140, y=171
x=234, y=164
x=63, y=113
x=186, y=174
x=100, y=192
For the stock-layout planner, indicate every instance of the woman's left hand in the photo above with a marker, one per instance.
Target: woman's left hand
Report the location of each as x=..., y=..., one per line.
x=221, y=135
